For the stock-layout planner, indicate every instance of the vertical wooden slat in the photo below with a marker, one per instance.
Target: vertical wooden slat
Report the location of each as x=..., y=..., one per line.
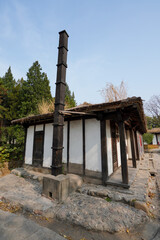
x=25, y=138
x=156, y=138
x=136, y=142
x=104, y=151
x=84, y=146
x=33, y=143
x=124, y=166
x=43, y=141
x=68, y=141
x=133, y=149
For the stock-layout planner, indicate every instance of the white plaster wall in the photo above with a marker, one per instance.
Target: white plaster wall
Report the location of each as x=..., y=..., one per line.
x=109, y=148
x=64, y=157
x=126, y=137
x=75, y=147
x=39, y=127
x=129, y=144
x=154, y=140
x=29, y=145
x=48, y=138
x=118, y=152
x=93, y=145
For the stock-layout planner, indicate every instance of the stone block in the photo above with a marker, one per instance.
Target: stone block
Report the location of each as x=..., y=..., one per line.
x=56, y=187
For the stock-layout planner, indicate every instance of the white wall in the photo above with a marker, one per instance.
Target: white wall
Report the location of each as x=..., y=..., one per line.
x=119, y=153
x=39, y=127
x=93, y=145
x=64, y=157
x=129, y=144
x=29, y=145
x=75, y=147
x=48, y=138
x=109, y=148
x=154, y=140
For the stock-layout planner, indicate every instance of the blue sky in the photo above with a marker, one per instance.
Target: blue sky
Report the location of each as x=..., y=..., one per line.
x=110, y=41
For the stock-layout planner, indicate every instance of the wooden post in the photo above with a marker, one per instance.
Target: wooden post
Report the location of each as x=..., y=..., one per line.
x=57, y=147
x=133, y=149
x=123, y=152
x=104, y=151
x=156, y=138
x=84, y=146
x=136, y=142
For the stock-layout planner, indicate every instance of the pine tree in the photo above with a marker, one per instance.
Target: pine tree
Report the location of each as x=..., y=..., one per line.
x=69, y=98
x=34, y=89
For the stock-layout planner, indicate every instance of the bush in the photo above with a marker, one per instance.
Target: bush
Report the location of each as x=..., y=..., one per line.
x=148, y=138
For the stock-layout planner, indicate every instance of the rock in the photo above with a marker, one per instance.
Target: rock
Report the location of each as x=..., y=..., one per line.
x=35, y=177
x=75, y=182
x=142, y=206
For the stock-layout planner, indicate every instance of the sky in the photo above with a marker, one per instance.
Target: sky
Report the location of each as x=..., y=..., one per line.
x=109, y=41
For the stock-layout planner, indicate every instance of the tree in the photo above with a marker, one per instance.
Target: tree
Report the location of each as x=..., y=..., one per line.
x=148, y=138
x=8, y=82
x=34, y=90
x=112, y=93
x=2, y=94
x=153, y=108
x=69, y=98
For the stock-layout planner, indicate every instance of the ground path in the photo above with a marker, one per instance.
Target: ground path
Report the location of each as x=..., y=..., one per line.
x=95, y=208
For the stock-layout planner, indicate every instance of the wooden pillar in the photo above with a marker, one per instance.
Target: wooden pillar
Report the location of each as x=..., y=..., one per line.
x=133, y=149
x=136, y=142
x=25, y=138
x=58, y=124
x=124, y=166
x=104, y=151
x=156, y=138
x=84, y=146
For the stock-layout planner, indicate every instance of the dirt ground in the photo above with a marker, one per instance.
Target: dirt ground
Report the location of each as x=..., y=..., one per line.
x=147, y=231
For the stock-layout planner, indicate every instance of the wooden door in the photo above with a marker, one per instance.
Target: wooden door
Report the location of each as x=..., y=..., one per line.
x=38, y=149
x=114, y=145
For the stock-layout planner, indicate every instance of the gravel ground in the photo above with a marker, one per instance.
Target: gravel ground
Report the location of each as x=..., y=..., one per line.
x=94, y=207
x=98, y=214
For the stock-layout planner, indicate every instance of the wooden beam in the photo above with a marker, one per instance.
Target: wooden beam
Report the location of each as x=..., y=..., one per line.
x=84, y=146
x=124, y=166
x=67, y=112
x=136, y=142
x=25, y=138
x=133, y=149
x=104, y=150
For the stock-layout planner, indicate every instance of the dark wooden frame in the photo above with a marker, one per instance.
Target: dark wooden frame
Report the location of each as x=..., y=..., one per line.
x=36, y=132
x=104, y=157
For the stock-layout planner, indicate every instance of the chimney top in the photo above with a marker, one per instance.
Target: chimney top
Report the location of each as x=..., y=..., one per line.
x=64, y=31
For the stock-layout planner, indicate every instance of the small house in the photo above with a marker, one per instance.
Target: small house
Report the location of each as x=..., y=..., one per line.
x=97, y=139
x=156, y=135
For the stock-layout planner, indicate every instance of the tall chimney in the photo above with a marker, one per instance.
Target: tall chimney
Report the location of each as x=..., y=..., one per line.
x=58, y=124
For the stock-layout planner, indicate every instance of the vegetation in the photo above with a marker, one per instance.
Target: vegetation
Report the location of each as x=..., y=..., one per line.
x=23, y=98
x=152, y=108
x=112, y=93
x=148, y=138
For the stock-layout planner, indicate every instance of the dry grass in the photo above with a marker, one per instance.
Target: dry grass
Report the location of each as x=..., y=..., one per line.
x=45, y=106
x=113, y=93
